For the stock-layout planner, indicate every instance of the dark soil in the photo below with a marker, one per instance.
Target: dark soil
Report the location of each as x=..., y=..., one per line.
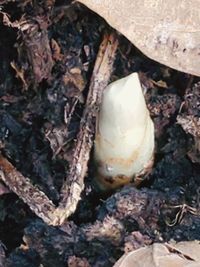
x=47, y=52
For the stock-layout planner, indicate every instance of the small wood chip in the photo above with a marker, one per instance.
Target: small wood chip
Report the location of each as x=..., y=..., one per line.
x=37, y=201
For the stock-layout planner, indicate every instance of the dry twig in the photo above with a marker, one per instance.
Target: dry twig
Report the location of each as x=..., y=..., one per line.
x=37, y=201
x=72, y=188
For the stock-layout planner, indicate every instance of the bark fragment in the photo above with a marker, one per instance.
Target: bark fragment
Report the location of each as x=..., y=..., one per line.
x=34, y=51
x=72, y=188
x=37, y=201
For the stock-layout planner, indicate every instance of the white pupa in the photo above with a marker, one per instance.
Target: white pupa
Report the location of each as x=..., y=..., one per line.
x=124, y=141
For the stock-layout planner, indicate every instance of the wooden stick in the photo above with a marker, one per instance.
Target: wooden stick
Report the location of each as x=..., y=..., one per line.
x=37, y=201
x=74, y=184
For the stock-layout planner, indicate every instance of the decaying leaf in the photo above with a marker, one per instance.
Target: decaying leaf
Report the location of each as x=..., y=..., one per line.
x=75, y=79
x=165, y=31
x=163, y=255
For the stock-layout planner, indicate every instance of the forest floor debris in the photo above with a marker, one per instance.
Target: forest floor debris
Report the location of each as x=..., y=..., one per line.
x=40, y=123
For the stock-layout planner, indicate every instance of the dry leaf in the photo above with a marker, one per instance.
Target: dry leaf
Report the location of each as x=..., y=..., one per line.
x=75, y=78
x=166, y=31
x=182, y=254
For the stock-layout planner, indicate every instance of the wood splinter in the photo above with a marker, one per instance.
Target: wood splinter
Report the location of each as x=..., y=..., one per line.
x=74, y=185
x=38, y=202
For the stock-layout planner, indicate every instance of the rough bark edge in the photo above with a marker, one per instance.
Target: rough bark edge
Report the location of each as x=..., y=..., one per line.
x=37, y=201
x=74, y=184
